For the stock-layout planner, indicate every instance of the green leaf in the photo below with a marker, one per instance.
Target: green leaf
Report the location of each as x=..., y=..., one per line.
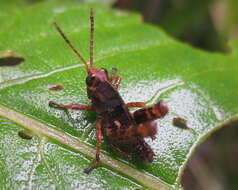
x=199, y=87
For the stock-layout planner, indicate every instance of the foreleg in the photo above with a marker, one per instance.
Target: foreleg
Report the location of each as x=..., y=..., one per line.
x=99, y=139
x=70, y=106
x=115, y=78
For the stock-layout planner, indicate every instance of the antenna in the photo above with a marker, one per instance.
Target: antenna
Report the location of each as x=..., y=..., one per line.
x=72, y=47
x=91, y=41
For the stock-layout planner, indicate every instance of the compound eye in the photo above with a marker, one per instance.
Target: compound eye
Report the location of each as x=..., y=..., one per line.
x=90, y=80
x=104, y=70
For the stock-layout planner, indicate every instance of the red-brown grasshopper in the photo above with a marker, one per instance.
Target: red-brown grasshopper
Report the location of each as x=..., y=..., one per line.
x=123, y=128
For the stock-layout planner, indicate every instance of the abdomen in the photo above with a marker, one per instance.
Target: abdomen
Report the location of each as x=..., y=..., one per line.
x=118, y=123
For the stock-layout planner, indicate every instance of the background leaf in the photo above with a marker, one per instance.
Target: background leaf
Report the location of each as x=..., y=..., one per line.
x=200, y=87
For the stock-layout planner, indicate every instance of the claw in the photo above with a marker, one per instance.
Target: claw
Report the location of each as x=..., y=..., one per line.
x=129, y=158
x=51, y=103
x=55, y=105
x=153, y=138
x=87, y=170
x=114, y=70
x=90, y=168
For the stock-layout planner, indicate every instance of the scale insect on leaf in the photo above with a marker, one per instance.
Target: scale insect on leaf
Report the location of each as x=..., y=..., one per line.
x=123, y=128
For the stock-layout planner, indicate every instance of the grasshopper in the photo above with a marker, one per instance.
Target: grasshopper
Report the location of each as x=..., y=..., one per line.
x=123, y=128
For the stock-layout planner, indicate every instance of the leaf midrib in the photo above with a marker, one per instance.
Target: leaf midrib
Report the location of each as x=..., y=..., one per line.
x=75, y=144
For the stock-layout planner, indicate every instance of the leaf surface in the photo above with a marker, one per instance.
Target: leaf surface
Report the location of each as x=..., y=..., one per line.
x=198, y=86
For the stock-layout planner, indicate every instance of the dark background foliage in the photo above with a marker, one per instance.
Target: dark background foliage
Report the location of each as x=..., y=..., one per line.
x=207, y=24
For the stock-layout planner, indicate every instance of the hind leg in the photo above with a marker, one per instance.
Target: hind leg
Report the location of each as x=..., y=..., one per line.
x=147, y=129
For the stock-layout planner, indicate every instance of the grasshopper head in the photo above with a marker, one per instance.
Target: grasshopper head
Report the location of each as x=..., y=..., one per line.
x=96, y=76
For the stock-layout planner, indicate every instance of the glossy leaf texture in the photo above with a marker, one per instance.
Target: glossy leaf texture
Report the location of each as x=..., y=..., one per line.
x=198, y=86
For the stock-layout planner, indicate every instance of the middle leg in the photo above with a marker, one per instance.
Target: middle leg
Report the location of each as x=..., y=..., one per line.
x=121, y=152
x=150, y=113
x=136, y=105
x=99, y=139
x=145, y=116
x=139, y=105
